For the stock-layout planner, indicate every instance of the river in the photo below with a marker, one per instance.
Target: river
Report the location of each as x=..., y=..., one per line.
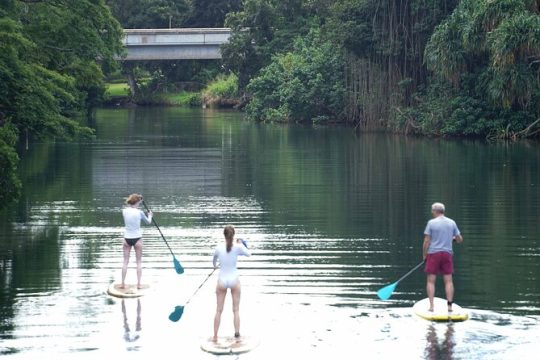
x=330, y=217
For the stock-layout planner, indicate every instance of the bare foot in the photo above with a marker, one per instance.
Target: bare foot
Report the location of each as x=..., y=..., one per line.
x=139, y=286
x=430, y=309
x=122, y=286
x=214, y=339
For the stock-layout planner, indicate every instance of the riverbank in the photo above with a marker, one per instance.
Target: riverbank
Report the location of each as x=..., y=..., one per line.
x=220, y=93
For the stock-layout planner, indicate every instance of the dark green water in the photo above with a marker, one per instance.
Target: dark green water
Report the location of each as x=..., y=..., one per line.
x=331, y=217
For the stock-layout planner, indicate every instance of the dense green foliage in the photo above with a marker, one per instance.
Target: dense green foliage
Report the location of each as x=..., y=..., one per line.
x=9, y=183
x=425, y=66
x=376, y=46
x=222, y=91
x=210, y=13
x=487, y=55
x=305, y=84
x=262, y=29
x=148, y=14
x=49, y=72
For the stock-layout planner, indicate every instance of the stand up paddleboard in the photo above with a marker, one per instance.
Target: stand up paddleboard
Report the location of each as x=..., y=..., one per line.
x=129, y=291
x=440, y=311
x=229, y=345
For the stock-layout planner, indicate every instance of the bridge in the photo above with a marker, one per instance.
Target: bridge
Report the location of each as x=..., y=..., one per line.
x=174, y=44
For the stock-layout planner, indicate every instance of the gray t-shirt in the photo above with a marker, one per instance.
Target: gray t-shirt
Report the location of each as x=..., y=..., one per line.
x=441, y=231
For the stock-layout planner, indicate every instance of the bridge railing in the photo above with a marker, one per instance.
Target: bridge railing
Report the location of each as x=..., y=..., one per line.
x=174, y=44
x=191, y=36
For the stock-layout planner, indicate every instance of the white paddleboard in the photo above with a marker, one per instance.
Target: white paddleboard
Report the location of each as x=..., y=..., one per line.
x=229, y=345
x=440, y=311
x=129, y=291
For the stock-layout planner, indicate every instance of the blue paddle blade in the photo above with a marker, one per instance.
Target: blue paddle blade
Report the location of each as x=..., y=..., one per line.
x=177, y=313
x=386, y=292
x=178, y=266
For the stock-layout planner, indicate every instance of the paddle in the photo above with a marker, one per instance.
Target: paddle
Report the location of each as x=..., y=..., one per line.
x=179, y=310
x=177, y=265
x=386, y=292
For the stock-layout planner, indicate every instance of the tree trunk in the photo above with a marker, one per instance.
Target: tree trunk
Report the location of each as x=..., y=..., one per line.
x=132, y=82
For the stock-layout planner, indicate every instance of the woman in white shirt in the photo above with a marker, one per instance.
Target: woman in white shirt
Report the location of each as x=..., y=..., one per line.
x=133, y=234
x=227, y=255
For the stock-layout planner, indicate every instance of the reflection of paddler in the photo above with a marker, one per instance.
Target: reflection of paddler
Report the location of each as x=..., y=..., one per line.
x=227, y=256
x=436, y=350
x=128, y=336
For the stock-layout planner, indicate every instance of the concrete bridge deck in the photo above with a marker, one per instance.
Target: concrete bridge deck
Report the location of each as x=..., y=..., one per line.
x=175, y=44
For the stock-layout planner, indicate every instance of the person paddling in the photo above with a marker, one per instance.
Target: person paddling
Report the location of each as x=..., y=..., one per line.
x=226, y=255
x=133, y=234
x=437, y=249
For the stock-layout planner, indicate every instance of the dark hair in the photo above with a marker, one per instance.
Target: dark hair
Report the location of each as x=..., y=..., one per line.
x=228, y=231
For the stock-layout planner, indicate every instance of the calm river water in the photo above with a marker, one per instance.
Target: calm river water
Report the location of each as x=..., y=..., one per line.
x=330, y=216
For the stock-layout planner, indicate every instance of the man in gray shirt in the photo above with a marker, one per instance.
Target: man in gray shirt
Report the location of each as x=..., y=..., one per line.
x=439, y=234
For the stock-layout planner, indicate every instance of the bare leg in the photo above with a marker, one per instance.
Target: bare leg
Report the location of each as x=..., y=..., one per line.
x=127, y=250
x=236, y=292
x=449, y=288
x=220, y=300
x=138, y=256
x=430, y=289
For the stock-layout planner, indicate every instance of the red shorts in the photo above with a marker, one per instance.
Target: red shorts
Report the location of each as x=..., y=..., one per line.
x=439, y=263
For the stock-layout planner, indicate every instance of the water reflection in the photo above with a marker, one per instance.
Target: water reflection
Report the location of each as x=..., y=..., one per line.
x=440, y=350
x=129, y=335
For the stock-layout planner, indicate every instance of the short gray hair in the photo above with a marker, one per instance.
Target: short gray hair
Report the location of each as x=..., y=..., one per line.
x=439, y=207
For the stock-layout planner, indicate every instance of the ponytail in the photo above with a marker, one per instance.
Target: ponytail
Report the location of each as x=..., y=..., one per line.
x=228, y=231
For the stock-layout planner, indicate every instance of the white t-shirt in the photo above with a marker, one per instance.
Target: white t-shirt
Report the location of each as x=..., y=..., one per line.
x=132, y=221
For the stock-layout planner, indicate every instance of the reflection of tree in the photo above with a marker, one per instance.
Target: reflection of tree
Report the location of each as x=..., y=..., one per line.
x=436, y=350
x=329, y=184
x=128, y=336
x=29, y=260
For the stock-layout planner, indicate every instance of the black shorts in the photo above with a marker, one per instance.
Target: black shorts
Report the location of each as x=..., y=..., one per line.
x=132, y=242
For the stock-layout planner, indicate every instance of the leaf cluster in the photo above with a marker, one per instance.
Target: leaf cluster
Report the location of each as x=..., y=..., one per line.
x=51, y=65
x=490, y=50
x=302, y=85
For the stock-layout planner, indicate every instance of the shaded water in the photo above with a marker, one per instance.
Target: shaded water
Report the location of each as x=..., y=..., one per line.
x=330, y=217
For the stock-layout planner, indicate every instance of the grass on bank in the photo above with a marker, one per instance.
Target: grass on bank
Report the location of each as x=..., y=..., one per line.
x=117, y=90
x=224, y=88
x=183, y=98
x=222, y=92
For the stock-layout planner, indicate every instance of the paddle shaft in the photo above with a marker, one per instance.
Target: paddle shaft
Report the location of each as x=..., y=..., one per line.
x=411, y=271
x=157, y=226
x=200, y=286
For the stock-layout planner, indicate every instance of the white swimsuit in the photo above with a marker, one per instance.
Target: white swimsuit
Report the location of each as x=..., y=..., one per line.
x=228, y=273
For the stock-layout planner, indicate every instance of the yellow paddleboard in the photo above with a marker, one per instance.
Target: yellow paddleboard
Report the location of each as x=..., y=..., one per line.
x=129, y=291
x=440, y=311
x=229, y=345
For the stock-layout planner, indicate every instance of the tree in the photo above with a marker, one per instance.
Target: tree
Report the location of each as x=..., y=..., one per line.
x=211, y=13
x=303, y=85
x=490, y=52
x=261, y=29
x=72, y=35
x=150, y=14
x=48, y=72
